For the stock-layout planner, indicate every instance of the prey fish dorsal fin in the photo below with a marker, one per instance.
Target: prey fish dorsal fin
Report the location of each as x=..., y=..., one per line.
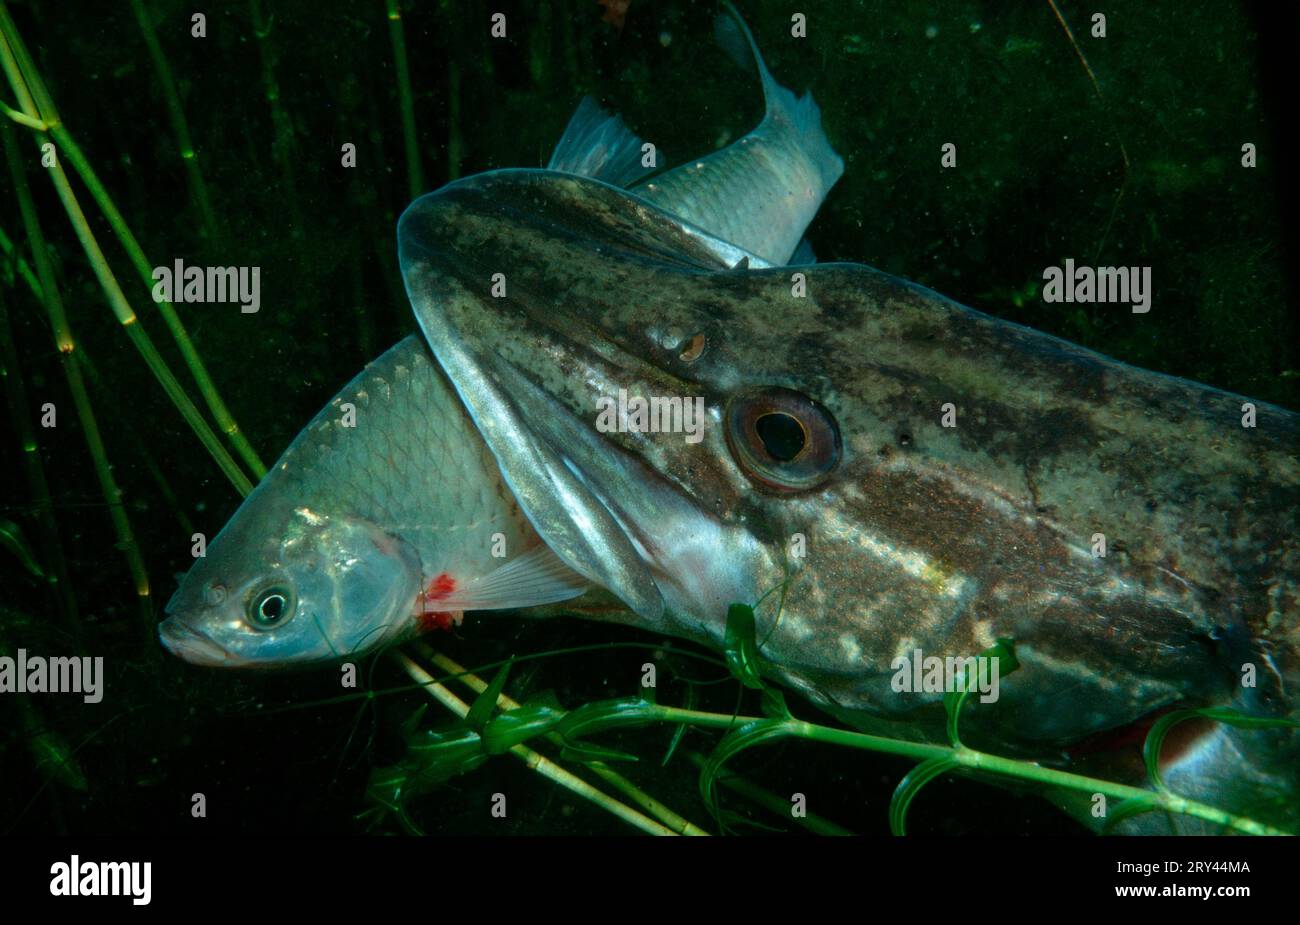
x=599, y=145
x=531, y=578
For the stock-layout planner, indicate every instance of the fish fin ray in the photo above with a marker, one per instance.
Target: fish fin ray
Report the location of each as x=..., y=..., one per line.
x=535, y=577
x=599, y=145
x=800, y=116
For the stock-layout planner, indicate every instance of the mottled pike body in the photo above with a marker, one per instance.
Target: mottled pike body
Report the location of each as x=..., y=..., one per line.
x=916, y=535
x=917, y=475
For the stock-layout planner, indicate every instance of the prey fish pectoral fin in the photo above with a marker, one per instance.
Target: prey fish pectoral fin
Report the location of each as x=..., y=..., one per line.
x=532, y=578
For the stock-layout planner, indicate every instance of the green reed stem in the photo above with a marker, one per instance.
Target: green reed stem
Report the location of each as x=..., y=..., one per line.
x=282, y=147
x=176, y=115
x=66, y=345
x=26, y=83
x=143, y=452
x=534, y=760
x=966, y=759
x=664, y=814
x=55, y=563
x=414, y=176
x=135, y=253
x=13, y=258
x=778, y=806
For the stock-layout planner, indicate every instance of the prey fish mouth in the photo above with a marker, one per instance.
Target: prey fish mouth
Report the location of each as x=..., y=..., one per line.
x=195, y=647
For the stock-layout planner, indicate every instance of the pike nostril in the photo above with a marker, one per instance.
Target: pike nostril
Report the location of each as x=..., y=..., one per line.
x=693, y=349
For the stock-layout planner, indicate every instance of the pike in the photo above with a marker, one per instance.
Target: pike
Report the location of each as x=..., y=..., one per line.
x=916, y=474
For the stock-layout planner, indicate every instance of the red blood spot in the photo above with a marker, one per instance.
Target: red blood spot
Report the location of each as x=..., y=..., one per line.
x=426, y=617
x=440, y=587
x=436, y=620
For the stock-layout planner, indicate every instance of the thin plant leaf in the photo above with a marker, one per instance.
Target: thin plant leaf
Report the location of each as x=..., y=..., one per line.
x=12, y=539
x=486, y=703
x=911, y=785
x=741, y=646
x=412, y=724
x=513, y=727
x=774, y=705
x=431, y=760
x=680, y=731
x=1004, y=651
x=758, y=732
x=603, y=715
x=586, y=752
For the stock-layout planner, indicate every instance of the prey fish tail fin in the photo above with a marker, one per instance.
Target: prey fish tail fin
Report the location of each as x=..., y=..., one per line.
x=599, y=145
x=760, y=192
x=798, y=116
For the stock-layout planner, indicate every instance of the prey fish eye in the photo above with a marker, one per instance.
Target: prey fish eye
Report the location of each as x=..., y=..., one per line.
x=782, y=439
x=272, y=608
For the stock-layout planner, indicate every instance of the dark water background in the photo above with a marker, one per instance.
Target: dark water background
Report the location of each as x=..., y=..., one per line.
x=1041, y=176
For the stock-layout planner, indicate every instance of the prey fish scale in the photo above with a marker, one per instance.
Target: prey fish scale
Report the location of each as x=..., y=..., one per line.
x=376, y=444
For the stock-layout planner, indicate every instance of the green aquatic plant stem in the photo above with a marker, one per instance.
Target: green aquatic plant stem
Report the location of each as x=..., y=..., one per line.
x=678, y=823
x=533, y=759
x=20, y=70
x=282, y=146
x=776, y=805
x=13, y=258
x=66, y=346
x=140, y=338
x=405, y=99
x=135, y=253
x=176, y=115
x=143, y=454
x=55, y=562
x=98, y=383
x=967, y=759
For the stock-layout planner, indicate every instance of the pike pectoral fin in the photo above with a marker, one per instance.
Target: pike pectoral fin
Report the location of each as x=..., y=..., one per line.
x=535, y=577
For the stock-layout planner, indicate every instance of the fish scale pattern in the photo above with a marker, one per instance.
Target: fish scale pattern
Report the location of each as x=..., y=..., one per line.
x=407, y=457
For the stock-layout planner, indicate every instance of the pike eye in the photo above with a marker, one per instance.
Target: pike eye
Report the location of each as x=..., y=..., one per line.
x=782, y=439
x=271, y=608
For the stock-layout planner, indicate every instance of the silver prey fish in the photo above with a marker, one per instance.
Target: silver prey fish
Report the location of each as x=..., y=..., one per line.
x=918, y=478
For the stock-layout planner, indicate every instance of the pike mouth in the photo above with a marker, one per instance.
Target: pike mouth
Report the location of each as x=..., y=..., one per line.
x=194, y=647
